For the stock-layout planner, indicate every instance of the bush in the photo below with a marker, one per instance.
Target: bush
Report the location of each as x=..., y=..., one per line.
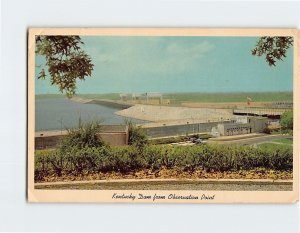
x=125, y=159
x=155, y=157
x=84, y=136
x=42, y=163
x=137, y=135
x=86, y=160
x=169, y=140
x=267, y=130
x=286, y=120
x=80, y=151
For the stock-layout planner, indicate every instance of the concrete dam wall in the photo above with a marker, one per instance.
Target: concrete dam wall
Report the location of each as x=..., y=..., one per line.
x=111, y=103
x=176, y=130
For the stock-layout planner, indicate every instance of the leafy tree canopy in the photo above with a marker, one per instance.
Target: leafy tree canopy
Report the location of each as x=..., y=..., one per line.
x=65, y=60
x=137, y=135
x=273, y=48
x=82, y=137
x=286, y=120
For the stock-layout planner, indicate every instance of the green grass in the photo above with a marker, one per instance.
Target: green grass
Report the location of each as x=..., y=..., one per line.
x=273, y=146
x=230, y=97
x=285, y=143
x=288, y=141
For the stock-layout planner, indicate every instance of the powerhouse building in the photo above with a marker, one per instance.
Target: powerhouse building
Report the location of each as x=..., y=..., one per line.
x=241, y=125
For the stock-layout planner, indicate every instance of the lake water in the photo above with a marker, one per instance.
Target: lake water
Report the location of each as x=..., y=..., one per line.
x=61, y=113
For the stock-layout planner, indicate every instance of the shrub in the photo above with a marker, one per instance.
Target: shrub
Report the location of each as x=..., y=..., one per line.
x=166, y=140
x=267, y=130
x=286, y=120
x=126, y=159
x=84, y=136
x=155, y=157
x=152, y=155
x=137, y=135
x=86, y=160
x=42, y=164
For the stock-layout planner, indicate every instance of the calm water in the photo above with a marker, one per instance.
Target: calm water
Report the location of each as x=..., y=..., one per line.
x=60, y=113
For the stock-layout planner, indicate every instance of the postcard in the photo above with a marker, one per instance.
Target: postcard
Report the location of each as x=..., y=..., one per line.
x=163, y=115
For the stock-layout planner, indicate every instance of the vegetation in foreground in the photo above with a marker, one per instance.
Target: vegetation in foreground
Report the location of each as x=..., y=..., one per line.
x=83, y=156
x=286, y=141
x=164, y=161
x=286, y=121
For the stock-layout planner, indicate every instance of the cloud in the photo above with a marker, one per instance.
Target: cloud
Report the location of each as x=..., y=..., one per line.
x=139, y=55
x=196, y=50
x=182, y=57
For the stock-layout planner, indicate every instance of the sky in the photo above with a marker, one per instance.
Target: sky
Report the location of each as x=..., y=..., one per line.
x=176, y=64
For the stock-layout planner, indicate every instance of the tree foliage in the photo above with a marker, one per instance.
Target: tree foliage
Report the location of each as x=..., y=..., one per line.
x=286, y=120
x=209, y=158
x=137, y=135
x=65, y=60
x=84, y=136
x=273, y=48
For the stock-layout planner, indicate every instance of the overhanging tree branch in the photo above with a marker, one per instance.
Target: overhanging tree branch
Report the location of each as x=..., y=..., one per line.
x=273, y=48
x=65, y=60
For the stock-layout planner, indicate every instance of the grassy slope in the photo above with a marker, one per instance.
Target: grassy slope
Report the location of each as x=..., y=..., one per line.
x=288, y=141
x=272, y=146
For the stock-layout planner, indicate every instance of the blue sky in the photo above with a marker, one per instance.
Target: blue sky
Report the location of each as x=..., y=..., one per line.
x=177, y=64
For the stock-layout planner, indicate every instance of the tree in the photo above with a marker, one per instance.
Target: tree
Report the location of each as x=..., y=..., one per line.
x=137, y=135
x=273, y=48
x=286, y=120
x=82, y=137
x=65, y=60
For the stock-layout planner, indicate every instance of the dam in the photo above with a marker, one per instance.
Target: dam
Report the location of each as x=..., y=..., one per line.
x=266, y=112
x=104, y=102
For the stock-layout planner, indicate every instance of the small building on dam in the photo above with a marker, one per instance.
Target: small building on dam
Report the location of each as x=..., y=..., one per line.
x=242, y=125
x=236, y=126
x=118, y=135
